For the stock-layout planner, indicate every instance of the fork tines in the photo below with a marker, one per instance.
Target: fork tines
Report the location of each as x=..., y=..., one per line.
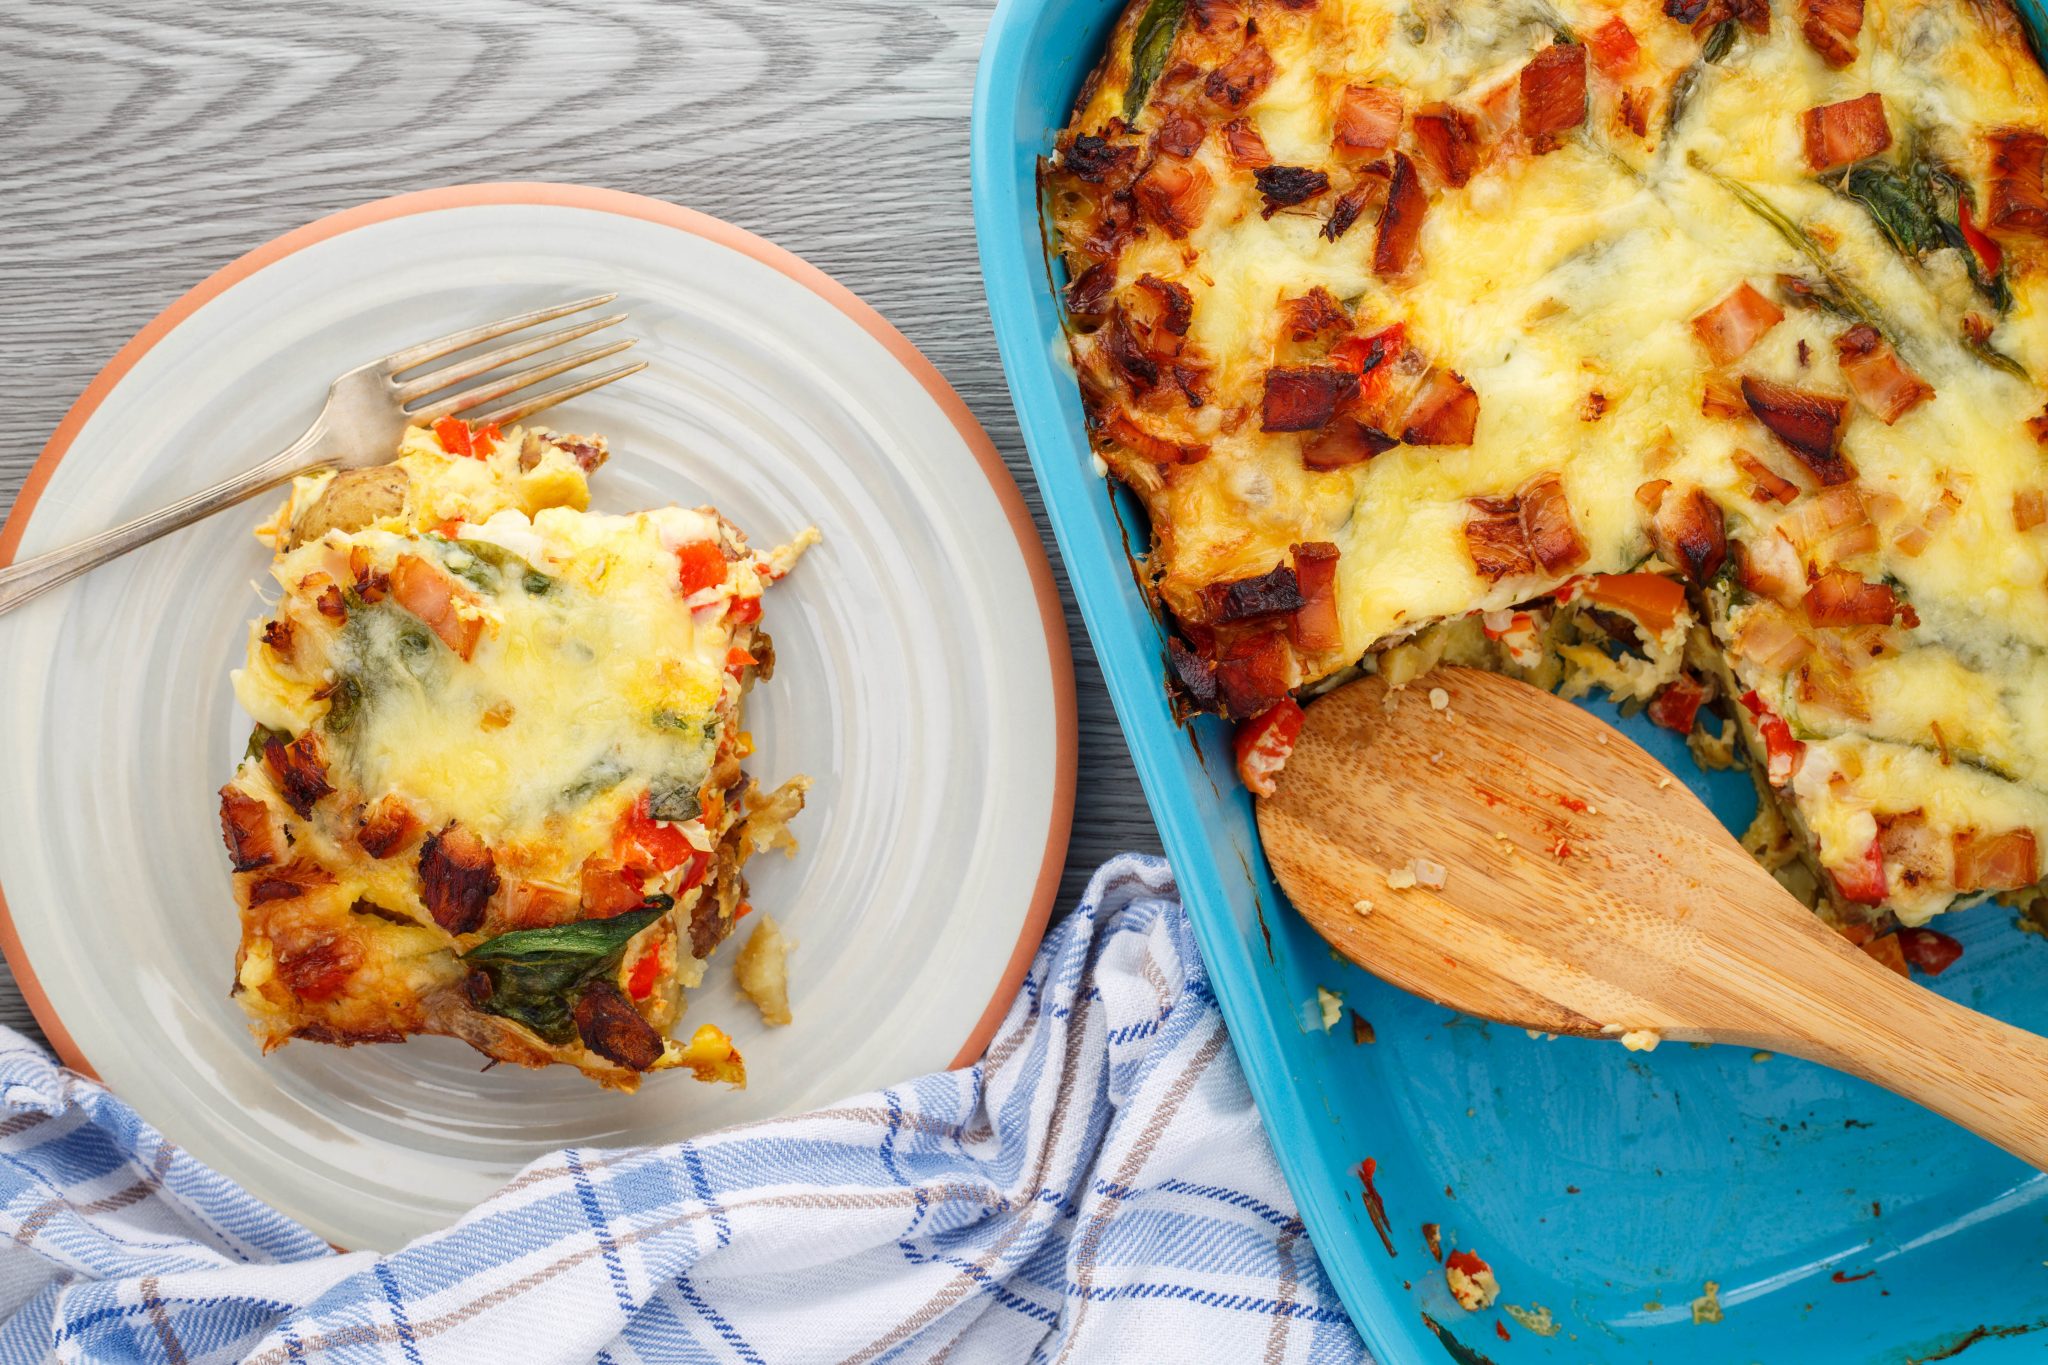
x=464, y=401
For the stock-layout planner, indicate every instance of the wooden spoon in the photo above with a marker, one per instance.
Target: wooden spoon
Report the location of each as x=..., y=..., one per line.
x=1585, y=891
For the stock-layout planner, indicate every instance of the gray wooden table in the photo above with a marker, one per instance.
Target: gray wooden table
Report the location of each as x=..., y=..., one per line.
x=144, y=143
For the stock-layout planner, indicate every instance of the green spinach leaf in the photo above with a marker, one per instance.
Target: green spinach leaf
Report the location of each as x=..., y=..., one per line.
x=1901, y=203
x=1151, y=41
x=600, y=776
x=1839, y=287
x=344, y=704
x=535, y=975
x=675, y=798
x=260, y=737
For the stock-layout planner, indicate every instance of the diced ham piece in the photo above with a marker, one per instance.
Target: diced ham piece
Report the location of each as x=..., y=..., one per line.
x=1996, y=862
x=1180, y=133
x=1830, y=28
x=1770, y=568
x=1253, y=673
x=1344, y=441
x=299, y=769
x=1095, y=158
x=1368, y=119
x=1553, y=95
x=1148, y=446
x=1399, y=236
x=387, y=826
x=458, y=876
x=1493, y=537
x=1833, y=524
x=245, y=827
x=432, y=595
x=1274, y=593
x=1731, y=327
x=1876, y=377
x=1547, y=525
x=1810, y=425
x=1614, y=48
x=1310, y=315
x=1195, y=675
x=2019, y=199
x=1283, y=187
x=1445, y=412
x=1131, y=358
x=1174, y=194
x=1448, y=142
x=1089, y=293
x=1303, y=398
x=1243, y=144
x=610, y=1026
x=1344, y=213
x=1841, y=134
x=1841, y=598
x=1768, y=485
x=1216, y=16
x=1690, y=531
x=1173, y=307
x=319, y=968
x=1315, y=628
x=1769, y=638
x=1520, y=534
x=534, y=905
x=1240, y=80
x=2029, y=508
x=1721, y=400
x=286, y=883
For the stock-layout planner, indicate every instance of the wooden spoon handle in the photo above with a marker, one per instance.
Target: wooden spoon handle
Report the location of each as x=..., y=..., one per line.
x=1825, y=1001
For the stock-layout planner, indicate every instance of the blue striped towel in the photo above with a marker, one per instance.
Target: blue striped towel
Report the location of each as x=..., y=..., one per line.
x=1098, y=1188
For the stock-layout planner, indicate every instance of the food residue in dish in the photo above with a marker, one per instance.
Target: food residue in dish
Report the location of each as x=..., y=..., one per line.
x=1707, y=1307
x=1376, y=1207
x=1329, y=1006
x=1471, y=1280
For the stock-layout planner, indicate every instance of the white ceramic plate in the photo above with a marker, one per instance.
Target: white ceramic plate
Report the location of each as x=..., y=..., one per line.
x=922, y=680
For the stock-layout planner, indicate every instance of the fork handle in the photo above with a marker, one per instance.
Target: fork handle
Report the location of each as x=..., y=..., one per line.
x=33, y=577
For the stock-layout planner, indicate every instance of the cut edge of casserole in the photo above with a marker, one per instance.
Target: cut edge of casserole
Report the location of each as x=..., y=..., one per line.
x=495, y=790
x=1688, y=350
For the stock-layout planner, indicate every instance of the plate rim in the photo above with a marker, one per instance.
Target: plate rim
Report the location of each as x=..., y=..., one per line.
x=622, y=203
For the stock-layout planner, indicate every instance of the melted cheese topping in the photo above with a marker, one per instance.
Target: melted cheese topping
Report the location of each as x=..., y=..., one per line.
x=457, y=639
x=1562, y=286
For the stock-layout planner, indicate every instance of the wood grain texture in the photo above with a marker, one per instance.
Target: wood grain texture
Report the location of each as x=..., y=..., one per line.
x=1552, y=875
x=149, y=142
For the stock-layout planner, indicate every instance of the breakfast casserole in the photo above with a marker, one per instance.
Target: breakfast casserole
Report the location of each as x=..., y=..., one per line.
x=1691, y=349
x=494, y=789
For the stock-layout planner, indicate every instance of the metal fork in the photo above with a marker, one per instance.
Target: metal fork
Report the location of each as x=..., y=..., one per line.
x=367, y=410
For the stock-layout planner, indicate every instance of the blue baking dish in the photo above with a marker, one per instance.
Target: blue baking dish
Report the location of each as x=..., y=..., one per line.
x=1607, y=1188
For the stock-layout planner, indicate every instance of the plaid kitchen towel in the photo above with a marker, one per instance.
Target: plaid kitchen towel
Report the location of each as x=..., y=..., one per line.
x=1097, y=1189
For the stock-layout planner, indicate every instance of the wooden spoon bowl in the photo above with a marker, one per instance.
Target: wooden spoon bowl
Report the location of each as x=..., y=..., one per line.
x=1511, y=856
